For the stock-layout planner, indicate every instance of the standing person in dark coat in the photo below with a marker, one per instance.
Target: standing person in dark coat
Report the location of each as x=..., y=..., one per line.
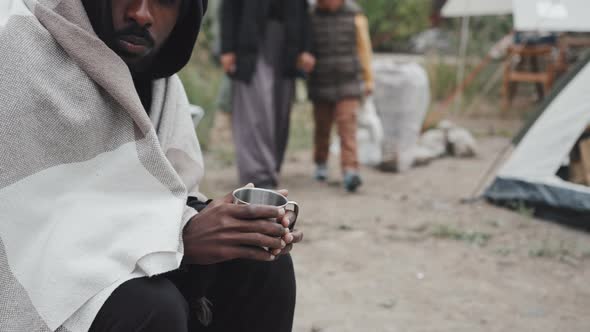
x=264, y=46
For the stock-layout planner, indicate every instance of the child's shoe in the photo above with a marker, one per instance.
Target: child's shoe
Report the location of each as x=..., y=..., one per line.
x=321, y=172
x=352, y=180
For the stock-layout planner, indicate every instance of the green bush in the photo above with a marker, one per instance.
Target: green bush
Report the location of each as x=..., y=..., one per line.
x=202, y=78
x=393, y=22
x=442, y=76
x=201, y=82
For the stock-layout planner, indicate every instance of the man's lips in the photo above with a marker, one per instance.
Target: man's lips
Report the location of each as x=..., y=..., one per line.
x=134, y=45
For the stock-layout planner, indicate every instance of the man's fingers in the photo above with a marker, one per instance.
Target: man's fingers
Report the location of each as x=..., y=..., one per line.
x=288, y=238
x=297, y=236
x=253, y=253
x=284, y=192
x=229, y=68
x=257, y=240
x=249, y=225
x=288, y=221
x=229, y=198
x=255, y=212
x=261, y=226
x=287, y=250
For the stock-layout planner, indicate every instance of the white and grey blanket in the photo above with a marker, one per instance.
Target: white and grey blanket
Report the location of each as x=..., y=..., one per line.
x=92, y=190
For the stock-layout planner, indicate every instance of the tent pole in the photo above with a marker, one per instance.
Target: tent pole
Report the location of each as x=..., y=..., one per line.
x=477, y=193
x=466, y=81
x=462, y=57
x=495, y=78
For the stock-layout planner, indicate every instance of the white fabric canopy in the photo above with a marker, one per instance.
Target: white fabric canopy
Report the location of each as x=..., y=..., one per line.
x=552, y=15
x=529, y=15
x=458, y=8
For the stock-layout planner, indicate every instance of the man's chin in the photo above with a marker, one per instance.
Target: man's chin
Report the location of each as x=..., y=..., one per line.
x=136, y=63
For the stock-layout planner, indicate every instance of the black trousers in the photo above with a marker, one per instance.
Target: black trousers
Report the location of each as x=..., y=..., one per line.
x=245, y=296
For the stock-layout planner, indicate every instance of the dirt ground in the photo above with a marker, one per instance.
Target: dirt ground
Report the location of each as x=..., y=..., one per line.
x=405, y=255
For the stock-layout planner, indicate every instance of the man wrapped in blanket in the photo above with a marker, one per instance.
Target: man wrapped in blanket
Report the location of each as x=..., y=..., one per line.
x=102, y=227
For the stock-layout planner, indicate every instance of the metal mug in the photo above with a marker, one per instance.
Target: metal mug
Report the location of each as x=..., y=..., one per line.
x=259, y=196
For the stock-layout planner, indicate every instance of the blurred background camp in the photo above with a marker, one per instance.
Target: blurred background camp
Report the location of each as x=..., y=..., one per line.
x=475, y=102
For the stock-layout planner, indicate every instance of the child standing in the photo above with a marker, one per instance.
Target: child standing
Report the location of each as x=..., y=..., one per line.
x=341, y=78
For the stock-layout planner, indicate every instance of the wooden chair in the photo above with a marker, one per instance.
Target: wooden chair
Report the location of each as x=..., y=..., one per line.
x=515, y=72
x=566, y=45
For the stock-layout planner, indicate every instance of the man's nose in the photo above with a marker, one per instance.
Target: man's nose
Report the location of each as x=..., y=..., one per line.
x=139, y=11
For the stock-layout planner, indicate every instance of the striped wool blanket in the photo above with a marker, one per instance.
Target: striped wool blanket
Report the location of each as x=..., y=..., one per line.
x=92, y=190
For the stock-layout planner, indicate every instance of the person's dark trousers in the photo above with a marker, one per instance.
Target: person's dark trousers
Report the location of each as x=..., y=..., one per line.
x=253, y=296
x=145, y=304
x=245, y=296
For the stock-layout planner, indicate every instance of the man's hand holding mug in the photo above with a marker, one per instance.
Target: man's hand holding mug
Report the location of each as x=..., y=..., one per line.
x=237, y=226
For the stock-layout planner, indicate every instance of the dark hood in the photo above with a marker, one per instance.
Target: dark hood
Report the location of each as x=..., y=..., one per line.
x=177, y=51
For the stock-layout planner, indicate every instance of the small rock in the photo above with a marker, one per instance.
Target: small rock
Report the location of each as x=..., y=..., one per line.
x=344, y=228
x=388, y=304
x=420, y=228
x=571, y=261
x=536, y=312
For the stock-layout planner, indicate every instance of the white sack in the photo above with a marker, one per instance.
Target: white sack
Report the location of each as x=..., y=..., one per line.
x=402, y=97
x=369, y=134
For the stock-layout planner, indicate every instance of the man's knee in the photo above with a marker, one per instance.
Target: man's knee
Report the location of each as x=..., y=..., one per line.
x=277, y=276
x=244, y=289
x=154, y=304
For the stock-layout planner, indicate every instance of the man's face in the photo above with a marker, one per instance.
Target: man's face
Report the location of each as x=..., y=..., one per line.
x=330, y=5
x=141, y=27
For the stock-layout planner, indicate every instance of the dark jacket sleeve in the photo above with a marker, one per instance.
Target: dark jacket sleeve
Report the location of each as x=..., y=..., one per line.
x=306, y=35
x=229, y=22
x=297, y=31
x=196, y=204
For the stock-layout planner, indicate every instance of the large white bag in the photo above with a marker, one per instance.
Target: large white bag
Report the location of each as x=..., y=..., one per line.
x=402, y=97
x=369, y=134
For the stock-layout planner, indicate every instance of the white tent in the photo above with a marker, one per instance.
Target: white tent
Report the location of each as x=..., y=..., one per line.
x=529, y=15
x=461, y=8
x=551, y=15
x=530, y=175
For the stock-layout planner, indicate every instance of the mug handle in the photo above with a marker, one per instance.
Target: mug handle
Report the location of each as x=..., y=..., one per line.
x=295, y=210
